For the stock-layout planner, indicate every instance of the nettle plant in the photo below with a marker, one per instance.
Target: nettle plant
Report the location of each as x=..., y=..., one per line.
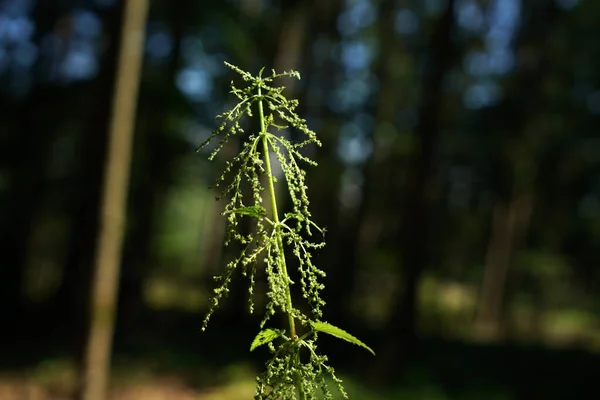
x=296, y=370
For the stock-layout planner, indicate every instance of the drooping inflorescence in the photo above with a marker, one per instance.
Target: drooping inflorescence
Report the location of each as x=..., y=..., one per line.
x=272, y=238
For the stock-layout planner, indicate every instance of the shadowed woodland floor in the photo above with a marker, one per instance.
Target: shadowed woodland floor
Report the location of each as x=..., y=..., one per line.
x=444, y=371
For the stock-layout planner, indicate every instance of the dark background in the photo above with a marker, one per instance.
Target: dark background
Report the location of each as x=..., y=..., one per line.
x=459, y=181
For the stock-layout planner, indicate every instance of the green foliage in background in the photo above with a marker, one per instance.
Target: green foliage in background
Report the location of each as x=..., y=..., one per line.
x=296, y=369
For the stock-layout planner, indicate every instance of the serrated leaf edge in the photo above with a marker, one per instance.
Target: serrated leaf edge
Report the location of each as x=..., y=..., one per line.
x=339, y=333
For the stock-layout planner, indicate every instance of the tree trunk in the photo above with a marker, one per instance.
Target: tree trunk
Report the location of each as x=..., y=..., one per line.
x=71, y=300
x=34, y=123
x=511, y=223
x=156, y=150
x=27, y=185
x=508, y=225
x=116, y=183
x=400, y=334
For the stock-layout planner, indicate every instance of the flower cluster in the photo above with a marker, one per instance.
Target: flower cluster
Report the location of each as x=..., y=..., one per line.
x=286, y=376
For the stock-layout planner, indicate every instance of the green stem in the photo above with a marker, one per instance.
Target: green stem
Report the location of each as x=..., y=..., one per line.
x=282, y=263
x=263, y=133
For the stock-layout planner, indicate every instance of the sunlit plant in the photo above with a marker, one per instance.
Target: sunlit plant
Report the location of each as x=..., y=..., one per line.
x=296, y=370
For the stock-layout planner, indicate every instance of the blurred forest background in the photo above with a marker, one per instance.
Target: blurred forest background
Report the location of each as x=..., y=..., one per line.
x=459, y=182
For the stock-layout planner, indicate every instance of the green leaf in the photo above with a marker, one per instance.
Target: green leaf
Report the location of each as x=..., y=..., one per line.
x=263, y=337
x=253, y=211
x=339, y=333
